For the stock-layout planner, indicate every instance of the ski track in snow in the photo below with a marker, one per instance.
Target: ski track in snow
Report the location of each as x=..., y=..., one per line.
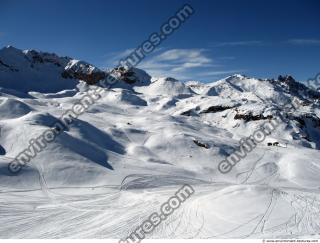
x=112, y=212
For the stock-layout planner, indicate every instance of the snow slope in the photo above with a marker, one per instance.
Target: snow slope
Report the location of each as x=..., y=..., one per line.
x=136, y=146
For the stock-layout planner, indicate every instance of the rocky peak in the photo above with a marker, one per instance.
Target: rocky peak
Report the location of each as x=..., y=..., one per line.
x=131, y=76
x=286, y=79
x=298, y=89
x=84, y=71
x=236, y=76
x=36, y=57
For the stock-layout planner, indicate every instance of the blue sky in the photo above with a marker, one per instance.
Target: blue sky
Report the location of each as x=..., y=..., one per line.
x=261, y=38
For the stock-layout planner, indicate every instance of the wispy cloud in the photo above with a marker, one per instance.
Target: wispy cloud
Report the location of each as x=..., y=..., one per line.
x=219, y=73
x=194, y=55
x=182, y=64
x=122, y=54
x=238, y=43
x=313, y=42
x=112, y=59
x=179, y=63
x=185, y=64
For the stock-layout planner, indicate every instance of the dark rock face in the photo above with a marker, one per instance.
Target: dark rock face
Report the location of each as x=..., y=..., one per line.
x=211, y=109
x=9, y=67
x=191, y=112
x=89, y=77
x=38, y=62
x=126, y=75
x=131, y=76
x=3, y=64
x=286, y=79
x=250, y=117
x=203, y=145
x=298, y=88
x=214, y=109
x=170, y=79
x=2, y=150
x=187, y=113
x=83, y=71
x=36, y=57
x=307, y=118
x=309, y=128
x=300, y=121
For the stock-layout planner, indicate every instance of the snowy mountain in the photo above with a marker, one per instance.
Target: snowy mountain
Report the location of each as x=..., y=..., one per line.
x=144, y=138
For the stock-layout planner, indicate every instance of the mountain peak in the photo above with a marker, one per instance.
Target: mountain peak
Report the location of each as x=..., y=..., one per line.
x=9, y=50
x=286, y=79
x=10, y=47
x=237, y=76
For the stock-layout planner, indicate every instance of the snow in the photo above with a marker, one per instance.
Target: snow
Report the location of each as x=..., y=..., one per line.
x=33, y=71
x=167, y=87
x=134, y=148
x=13, y=108
x=81, y=66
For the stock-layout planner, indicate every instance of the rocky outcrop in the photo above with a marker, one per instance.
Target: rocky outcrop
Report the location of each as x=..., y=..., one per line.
x=303, y=119
x=8, y=66
x=191, y=112
x=27, y=69
x=297, y=88
x=131, y=76
x=200, y=144
x=36, y=57
x=214, y=109
x=89, y=78
x=126, y=75
x=83, y=71
x=250, y=117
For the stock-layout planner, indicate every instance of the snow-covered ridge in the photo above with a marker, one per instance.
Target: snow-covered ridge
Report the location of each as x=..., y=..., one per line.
x=32, y=70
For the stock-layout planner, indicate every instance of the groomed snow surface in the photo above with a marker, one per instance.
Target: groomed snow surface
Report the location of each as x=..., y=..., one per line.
x=134, y=148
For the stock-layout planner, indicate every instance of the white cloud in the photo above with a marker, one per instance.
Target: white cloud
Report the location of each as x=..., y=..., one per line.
x=124, y=53
x=213, y=74
x=314, y=42
x=182, y=64
x=113, y=58
x=188, y=65
x=194, y=55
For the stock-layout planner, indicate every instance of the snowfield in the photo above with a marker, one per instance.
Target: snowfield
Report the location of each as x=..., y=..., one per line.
x=140, y=142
